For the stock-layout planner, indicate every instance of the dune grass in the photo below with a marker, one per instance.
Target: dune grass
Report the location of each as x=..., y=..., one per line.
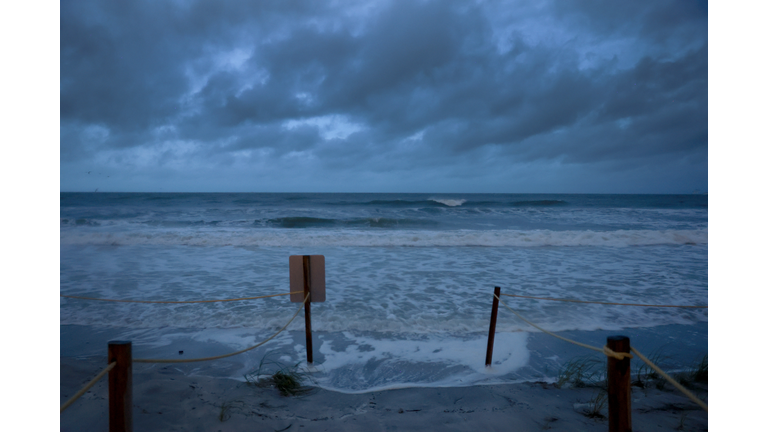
x=596, y=405
x=226, y=409
x=646, y=377
x=698, y=373
x=581, y=372
x=590, y=371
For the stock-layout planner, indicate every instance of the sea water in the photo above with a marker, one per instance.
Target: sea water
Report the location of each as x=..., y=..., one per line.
x=409, y=280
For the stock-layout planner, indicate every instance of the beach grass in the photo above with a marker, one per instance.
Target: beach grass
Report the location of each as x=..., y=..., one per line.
x=581, y=372
x=227, y=408
x=585, y=372
x=646, y=377
x=596, y=404
x=698, y=373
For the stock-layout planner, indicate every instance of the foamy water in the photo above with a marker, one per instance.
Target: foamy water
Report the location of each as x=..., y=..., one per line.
x=405, y=306
x=423, y=238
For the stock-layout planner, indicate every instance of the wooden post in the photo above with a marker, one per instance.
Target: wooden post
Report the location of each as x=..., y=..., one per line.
x=120, y=386
x=307, y=309
x=492, y=331
x=619, y=391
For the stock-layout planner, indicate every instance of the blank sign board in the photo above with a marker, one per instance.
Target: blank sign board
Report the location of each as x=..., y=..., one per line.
x=316, y=267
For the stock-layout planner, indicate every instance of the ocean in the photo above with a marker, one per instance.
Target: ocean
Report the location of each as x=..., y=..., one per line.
x=409, y=280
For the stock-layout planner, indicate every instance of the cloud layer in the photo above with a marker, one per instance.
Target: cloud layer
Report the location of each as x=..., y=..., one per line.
x=581, y=96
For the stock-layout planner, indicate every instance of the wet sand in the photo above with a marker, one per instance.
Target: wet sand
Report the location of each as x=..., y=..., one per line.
x=182, y=398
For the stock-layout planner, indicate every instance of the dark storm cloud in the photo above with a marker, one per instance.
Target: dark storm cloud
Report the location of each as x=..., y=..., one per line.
x=383, y=84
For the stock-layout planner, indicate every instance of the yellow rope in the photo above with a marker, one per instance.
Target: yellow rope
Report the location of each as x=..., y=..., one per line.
x=620, y=356
x=617, y=355
x=225, y=355
x=87, y=386
x=672, y=381
x=560, y=337
x=605, y=303
x=178, y=302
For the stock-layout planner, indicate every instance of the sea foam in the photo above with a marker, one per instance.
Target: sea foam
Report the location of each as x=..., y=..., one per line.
x=449, y=202
x=406, y=238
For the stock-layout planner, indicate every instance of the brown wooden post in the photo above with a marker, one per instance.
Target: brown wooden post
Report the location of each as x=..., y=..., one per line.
x=307, y=309
x=120, y=386
x=492, y=331
x=619, y=390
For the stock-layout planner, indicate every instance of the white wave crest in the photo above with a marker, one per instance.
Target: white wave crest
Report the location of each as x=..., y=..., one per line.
x=449, y=202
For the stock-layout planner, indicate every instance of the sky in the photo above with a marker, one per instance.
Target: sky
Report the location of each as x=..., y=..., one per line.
x=384, y=96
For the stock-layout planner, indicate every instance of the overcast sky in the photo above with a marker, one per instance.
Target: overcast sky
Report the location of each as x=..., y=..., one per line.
x=384, y=96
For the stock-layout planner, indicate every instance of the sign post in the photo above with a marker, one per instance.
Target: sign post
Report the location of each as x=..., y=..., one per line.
x=307, y=310
x=307, y=277
x=492, y=330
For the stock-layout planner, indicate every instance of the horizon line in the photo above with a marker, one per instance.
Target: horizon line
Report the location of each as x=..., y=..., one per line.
x=466, y=193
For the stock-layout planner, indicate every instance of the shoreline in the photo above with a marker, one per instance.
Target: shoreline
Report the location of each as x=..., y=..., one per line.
x=338, y=368
x=168, y=397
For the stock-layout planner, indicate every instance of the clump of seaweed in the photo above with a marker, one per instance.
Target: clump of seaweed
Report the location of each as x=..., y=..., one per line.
x=286, y=379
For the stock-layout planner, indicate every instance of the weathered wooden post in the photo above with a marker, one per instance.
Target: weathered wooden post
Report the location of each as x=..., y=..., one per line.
x=492, y=331
x=307, y=309
x=307, y=278
x=120, y=386
x=619, y=390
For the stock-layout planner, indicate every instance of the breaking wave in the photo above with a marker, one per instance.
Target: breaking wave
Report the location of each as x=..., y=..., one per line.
x=449, y=202
x=539, y=203
x=371, y=222
x=398, y=203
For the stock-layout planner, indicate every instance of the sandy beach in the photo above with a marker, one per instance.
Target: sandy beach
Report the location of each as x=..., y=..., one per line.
x=174, y=398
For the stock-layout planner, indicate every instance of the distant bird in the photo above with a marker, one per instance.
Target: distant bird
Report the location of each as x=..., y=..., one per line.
x=97, y=189
x=89, y=172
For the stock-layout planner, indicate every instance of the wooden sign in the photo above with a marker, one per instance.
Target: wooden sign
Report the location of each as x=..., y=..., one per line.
x=316, y=271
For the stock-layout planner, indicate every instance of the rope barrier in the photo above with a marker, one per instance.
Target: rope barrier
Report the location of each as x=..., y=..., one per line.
x=179, y=302
x=620, y=356
x=617, y=355
x=225, y=355
x=605, y=350
x=671, y=380
x=87, y=386
x=605, y=303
